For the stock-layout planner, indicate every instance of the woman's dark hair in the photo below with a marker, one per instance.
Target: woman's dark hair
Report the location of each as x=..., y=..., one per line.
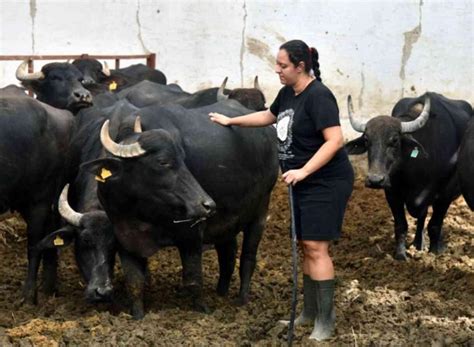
x=298, y=51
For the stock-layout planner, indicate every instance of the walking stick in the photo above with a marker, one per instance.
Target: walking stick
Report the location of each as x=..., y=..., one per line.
x=294, y=256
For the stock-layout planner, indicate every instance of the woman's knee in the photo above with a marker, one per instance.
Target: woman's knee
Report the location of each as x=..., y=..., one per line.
x=316, y=249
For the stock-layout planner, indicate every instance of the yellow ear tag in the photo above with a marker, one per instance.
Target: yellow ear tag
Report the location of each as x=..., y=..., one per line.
x=113, y=86
x=58, y=241
x=104, y=174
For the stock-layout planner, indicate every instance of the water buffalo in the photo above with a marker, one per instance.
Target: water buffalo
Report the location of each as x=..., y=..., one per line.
x=158, y=186
x=147, y=93
x=33, y=155
x=466, y=165
x=412, y=155
x=57, y=84
x=97, y=74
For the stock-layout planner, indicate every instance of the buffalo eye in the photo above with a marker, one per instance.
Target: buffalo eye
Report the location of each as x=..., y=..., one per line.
x=393, y=142
x=56, y=78
x=165, y=164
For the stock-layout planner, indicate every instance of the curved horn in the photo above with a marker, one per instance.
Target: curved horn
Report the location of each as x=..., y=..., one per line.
x=118, y=150
x=137, y=126
x=220, y=91
x=356, y=124
x=414, y=125
x=22, y=73
x=105, y=69
x=256, y=85
x=66, y=211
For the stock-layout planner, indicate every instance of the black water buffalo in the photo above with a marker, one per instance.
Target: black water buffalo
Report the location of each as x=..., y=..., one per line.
x=96, y=74
x=466, y=165
x=88, y=225
x=160, y=184
x=57, y=84
x=412, y=155
x=33, y=155
x=147, y=93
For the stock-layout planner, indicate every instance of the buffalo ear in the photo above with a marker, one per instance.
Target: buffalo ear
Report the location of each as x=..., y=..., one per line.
x=104, y=169
x=58, y=239
x=357, y=146
x=412, y=148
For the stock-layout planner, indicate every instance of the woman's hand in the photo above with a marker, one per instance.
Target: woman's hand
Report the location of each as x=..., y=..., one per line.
x=219, y=118
x=294, y=176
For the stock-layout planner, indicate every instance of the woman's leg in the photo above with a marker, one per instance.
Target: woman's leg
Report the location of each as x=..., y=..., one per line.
x=318, y=265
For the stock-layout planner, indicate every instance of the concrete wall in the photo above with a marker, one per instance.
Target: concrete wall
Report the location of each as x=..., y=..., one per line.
x=378, y=51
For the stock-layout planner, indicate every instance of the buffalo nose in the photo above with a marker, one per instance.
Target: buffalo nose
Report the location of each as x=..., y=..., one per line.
x=104, y=292
x=82, y=95
x=209, y=206
x=375, y=180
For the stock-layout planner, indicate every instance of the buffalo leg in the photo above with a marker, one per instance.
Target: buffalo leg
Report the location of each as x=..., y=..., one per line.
x=435, y=225
x=400, y=224
x=420, y=224
x=35, y=218
x=191, y=258
x=226, y=253
x=50, y=260
x=248, y=258
x=134, y=269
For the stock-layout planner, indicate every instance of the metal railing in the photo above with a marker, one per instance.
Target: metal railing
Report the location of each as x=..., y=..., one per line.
x=150, y=59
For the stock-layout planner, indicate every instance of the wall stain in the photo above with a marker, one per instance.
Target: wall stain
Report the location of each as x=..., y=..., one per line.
x=139, y=35
x=261, y=50
x=33, y=16
x=411, y=37
x=242, y=46
x=361, y=94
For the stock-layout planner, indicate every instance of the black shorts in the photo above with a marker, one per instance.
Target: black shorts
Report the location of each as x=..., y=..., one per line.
x=319, y=208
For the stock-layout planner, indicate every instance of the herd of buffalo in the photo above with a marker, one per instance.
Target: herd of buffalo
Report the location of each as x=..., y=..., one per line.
x=118, y=161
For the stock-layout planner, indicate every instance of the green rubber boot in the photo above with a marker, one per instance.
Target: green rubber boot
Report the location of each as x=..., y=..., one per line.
x=308, y=315
x=325, y=321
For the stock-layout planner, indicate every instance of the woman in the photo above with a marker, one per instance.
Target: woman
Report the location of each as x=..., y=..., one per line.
x=313, y=160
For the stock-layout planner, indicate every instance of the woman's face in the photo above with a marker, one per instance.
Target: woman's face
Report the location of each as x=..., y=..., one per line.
x=286, y=70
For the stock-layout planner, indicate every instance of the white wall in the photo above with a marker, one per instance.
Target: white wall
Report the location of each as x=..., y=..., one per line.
x=378, y=51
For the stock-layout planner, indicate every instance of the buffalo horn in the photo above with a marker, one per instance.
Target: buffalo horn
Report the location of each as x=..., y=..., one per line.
x=220, y=91
x=66, y=211
x=414, y=125
x=356, y=124
x=22, y=73
x=118, y=150
x=105, y=69
x=256, y=85
x=137, y=126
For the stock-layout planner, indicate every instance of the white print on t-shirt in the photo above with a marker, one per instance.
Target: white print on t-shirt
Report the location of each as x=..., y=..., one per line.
x=285, y=133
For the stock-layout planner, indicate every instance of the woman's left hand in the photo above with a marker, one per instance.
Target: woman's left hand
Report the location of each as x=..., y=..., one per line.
x=294, y=176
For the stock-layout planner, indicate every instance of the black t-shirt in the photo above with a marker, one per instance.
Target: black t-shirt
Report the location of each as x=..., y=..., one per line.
x=300, y=121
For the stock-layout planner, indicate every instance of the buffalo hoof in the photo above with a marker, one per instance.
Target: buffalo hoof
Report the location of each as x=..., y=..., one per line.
x=437, y=248
x=222, y=289
x=30, y=297
x=418, y=245
x=200, y=306
x=401, y=256
x=137, y=312
x=242, y=300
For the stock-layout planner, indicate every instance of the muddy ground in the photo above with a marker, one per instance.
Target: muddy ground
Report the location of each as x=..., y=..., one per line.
x=425, y=301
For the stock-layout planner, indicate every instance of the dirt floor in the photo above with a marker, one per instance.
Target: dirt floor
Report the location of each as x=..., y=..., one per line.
x=425, y=301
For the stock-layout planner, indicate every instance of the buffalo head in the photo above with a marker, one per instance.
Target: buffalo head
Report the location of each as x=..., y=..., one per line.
x=57, y=84
x=387, y=141
x=94, y=244
x=147, y=175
